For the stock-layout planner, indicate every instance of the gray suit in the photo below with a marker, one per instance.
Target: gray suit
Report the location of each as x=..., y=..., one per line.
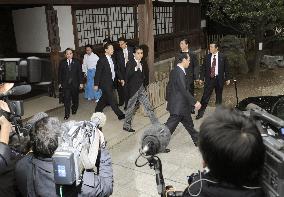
x=180, y=103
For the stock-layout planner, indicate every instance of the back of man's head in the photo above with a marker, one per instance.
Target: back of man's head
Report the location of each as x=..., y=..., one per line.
x=232, y=147
x=44, y=137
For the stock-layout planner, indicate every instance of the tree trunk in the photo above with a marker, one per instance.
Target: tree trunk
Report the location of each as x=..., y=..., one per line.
x=259, y=38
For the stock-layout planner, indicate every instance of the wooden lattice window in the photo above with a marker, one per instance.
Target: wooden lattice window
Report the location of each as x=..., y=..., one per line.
x=163, y=18
x=93, y=25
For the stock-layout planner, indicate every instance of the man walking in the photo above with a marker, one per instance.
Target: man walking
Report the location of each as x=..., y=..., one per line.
x=192, y=72
x=215, y=72
x=123, y=56
x=106, y=73
x=135, y=79
x=89, y=68
x=180, y=100
x=70, y=79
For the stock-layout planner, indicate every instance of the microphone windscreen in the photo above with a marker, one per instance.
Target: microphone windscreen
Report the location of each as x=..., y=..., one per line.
x=100, y=118
x=160, y=132
x=20, y=90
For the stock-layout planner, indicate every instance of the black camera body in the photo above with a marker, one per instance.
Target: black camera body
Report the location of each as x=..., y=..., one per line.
x=273, y=174
x=29, y=70
x=272, y=129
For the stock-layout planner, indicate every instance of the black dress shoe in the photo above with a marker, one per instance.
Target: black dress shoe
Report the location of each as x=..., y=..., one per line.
x=129, y=130
x=192, y=111
x=199, y=116
x=74, y=111
x=121, y=117
x=66, y=117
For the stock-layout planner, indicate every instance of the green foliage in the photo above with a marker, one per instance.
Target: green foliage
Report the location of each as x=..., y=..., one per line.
x=258, y=18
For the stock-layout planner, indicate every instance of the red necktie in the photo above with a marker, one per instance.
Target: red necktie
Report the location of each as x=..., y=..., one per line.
x=213, y=66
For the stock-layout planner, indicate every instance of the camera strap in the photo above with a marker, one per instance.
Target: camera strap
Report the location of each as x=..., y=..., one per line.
x=5, y=114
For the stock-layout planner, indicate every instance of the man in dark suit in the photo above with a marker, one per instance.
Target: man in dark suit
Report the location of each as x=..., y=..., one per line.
x=180, y=100
x=106, y=73
x=215, y=72
x=123, y=55
x=71, y=80
x=135, y=81
x=192, y=72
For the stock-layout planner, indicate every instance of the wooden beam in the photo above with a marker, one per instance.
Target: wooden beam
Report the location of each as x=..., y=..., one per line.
x=54, y=40
x=73, y=2
x=146, y=34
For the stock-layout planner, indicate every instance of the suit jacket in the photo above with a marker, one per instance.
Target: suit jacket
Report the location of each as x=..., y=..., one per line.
x=103, y=76
x=223, y=72
x=180, y=101
x=192, y=72
x=121, y=61
x=75, y=74
x=133, y=79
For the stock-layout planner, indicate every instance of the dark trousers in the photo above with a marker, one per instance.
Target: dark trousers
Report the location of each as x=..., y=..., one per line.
x=186, y=121
x=122, y=95
x=191, y=88
x=71, y=94
x=208, y=89
x=108, y=98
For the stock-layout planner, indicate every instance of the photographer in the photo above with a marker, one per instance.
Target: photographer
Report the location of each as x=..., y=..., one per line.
x=35, y=174
x=6, y=127
x=233, y=151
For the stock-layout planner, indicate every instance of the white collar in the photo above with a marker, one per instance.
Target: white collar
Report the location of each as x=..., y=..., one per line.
x=182, y=68
x=90, y=54
x=216, y=54
x=137, y=61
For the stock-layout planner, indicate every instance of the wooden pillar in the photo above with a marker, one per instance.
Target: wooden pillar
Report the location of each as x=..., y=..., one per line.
x=146, y=33
x=54, y=39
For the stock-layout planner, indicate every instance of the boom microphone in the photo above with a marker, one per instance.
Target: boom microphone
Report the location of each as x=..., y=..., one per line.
x=155, y=139
x=99, y=118
x=16, y=91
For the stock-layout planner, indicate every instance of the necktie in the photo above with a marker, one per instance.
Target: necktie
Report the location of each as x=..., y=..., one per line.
x=139, y=67
x=213, y=66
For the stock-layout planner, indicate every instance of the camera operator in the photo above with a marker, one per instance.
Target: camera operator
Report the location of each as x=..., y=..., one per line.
x=7, y=158
x=6, y=127
x=233, y=153
x=35, y=175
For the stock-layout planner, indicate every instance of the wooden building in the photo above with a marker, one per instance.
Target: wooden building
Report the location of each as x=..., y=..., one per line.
x=48, y=27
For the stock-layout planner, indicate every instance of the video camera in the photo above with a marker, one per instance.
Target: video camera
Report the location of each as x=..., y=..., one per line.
x=22, y=71
x=29, y=70
x=272, y=129
x=68, y=160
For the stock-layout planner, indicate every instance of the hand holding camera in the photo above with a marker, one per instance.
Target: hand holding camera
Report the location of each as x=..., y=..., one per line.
x=4, y=123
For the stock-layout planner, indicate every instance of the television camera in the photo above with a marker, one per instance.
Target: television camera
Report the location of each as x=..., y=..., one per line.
x=156, y=138
x=72, y=156
x=23, y=72
x=29, y=70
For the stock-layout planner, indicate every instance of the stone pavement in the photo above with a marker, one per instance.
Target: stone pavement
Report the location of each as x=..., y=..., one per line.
x=129, y=180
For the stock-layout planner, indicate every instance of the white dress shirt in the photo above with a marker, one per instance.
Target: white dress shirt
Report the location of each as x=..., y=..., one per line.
x=216, y=67
x=111, y=66
x=125, y=53
x=182, y=68
x=69, y=61
x=89, y=62
x=138, y=65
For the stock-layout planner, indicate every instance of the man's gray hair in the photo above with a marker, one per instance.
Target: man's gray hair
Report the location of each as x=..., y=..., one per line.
x=44, y=136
